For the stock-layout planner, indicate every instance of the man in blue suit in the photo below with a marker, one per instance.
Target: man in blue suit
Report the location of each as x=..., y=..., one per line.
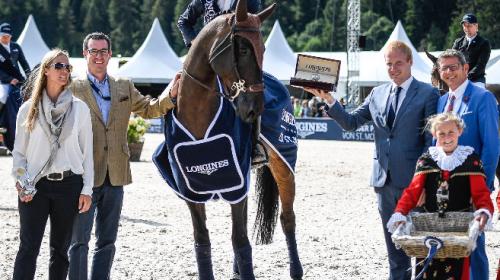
x=478, y=108
x=398, y=111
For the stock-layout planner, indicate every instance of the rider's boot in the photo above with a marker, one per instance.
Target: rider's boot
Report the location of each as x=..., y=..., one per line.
x=259, y=154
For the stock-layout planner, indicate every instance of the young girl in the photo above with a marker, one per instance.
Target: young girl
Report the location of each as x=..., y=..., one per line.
x=452, y=170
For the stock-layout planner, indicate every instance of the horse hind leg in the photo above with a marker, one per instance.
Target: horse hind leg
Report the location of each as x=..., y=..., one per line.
x=285, y=182
x=202, y=245
x=241, y=245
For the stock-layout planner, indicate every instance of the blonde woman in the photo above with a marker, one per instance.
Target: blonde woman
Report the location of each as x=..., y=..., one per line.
x=52, y=165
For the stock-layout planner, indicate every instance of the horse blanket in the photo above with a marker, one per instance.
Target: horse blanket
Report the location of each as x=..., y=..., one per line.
x=218, y=166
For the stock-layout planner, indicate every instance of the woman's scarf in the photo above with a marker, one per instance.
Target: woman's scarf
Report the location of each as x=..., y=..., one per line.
x=56, y=120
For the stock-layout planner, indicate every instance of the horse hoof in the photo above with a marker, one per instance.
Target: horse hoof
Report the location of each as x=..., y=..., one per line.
x=236, y=276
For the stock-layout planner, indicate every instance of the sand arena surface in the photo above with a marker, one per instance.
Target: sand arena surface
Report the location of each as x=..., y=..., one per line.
x=338, y=227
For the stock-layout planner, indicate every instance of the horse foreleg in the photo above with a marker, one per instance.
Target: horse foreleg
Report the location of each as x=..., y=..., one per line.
x=241, y=244
x=202, y=246
x=285, y=179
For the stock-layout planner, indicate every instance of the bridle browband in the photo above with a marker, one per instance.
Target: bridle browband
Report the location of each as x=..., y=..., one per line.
x=228, y=44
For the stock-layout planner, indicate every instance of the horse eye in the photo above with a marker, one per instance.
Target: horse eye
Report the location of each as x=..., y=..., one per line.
x=244, y=51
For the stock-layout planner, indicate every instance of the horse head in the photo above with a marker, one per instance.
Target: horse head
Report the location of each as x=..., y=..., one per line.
x=435, y=77
x=235, y=50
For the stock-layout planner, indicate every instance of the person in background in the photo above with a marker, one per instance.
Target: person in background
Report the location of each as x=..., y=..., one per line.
x=297, y=108
x=475, y=48
x=11, y=78
x=398, y=110
x=304, y=109
x=111, y=101
x=52, y=166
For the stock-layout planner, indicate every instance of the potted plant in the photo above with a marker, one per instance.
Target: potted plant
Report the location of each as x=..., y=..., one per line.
x=137, y=127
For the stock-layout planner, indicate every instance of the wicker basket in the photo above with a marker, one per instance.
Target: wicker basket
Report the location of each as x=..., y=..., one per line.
x=453, y=230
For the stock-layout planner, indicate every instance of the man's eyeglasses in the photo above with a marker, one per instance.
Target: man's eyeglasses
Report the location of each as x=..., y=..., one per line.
x=60, y=66
x=96, y=52
x=452, y=67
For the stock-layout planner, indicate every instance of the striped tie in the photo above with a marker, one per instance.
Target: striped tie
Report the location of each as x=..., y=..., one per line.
x=450, y=104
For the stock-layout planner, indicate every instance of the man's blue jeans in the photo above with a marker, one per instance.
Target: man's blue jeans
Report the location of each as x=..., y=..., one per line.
x=106, y=207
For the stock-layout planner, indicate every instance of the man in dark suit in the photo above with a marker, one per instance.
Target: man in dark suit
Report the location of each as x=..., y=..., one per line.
x=11, y=55
x=478, y=109
x=475, y=48
x=398, y=111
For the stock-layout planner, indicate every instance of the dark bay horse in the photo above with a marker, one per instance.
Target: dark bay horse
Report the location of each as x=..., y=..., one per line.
x=228, y=53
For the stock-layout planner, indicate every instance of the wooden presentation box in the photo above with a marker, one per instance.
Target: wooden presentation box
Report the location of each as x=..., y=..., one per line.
x=316, y=72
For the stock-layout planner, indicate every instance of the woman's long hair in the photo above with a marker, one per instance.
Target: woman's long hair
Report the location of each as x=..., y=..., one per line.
x=37, y=83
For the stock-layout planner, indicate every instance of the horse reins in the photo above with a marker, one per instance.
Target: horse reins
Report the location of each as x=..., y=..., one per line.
x=238, y=86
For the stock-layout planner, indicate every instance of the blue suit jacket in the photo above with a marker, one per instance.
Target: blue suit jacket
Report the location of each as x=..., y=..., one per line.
x=480, y=113
x=396, y=149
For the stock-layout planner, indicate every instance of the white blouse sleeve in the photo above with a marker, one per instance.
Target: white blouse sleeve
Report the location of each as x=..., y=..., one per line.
x=85, y=138
x=19, y=162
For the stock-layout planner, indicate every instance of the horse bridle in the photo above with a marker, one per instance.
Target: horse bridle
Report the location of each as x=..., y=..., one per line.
x=228, y=44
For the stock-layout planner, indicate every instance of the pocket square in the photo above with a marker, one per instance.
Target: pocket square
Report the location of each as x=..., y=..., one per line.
x=123, y=98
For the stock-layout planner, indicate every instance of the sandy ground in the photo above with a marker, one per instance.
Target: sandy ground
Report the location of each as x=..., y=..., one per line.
x=338, y=227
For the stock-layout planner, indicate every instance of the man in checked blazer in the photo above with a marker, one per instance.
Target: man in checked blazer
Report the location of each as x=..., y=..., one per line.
x=110, y=101
x=398, y=110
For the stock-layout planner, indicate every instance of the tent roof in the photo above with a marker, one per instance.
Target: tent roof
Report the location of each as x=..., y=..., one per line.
x=80, y=66
x=279, y=58
x=492, y=71
x=374, y=71
x=31, y=41
x=154, y=61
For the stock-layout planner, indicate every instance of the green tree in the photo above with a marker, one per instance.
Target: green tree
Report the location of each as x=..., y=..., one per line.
x=71, y=38
x=123, y=18
x=96, y=17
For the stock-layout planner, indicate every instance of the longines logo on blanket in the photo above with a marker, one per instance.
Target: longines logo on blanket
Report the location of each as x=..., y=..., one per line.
x=207, y=168
x=305, y=129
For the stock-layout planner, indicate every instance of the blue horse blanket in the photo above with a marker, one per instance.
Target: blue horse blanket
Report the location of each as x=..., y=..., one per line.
x=218, y=166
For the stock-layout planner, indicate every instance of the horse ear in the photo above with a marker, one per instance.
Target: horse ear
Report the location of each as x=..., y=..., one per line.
x=241, y=11
x=267, y=12
x=431, y=57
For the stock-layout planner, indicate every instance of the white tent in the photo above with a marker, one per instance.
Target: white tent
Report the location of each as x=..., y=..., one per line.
x=154, y=61
x=372, y=64
x=80, y=66
x=31, y=41
x=279, y=58
x=492, y=73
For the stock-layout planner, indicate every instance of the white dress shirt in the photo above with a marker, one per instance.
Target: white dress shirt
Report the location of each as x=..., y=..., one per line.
x=32, y=149
x=402, y=94
x=459, y=94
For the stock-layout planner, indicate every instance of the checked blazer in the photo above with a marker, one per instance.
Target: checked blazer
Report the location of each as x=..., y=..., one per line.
x=111, y=151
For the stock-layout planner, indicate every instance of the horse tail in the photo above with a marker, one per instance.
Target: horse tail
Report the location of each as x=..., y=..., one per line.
x=267, y=206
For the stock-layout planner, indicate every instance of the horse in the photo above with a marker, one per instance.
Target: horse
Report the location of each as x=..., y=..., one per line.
x=228, y=54
x=443, y=88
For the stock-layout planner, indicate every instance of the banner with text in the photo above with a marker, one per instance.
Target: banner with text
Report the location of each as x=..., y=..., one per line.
x=328, y=129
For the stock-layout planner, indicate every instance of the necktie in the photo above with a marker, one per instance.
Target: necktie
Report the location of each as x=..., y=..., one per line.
x=393, y=108
x=450, y=104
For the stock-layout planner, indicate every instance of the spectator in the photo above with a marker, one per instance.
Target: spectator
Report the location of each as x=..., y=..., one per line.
x=11, y=55
x=475, y=48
